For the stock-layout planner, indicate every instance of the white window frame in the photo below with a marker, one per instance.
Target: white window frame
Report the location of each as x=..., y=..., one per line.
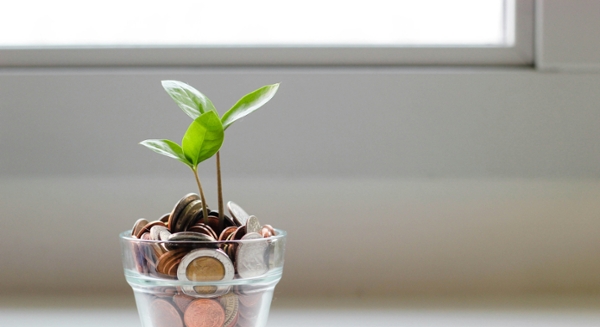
x=520, y=54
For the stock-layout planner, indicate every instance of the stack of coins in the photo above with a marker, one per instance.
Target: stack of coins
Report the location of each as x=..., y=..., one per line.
x=185, y=246
x=168, y=308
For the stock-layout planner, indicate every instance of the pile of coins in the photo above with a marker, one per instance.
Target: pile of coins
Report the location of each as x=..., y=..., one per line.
x=188, y=247
x=170, y=308
x=188, y=250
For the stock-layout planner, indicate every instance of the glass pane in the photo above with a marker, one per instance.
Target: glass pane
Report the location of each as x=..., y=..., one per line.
x=258, y=22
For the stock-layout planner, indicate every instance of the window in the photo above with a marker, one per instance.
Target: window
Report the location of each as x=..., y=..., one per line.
x=267, y=32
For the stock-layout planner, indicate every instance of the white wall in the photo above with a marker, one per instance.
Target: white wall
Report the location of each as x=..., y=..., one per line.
x=388, y=180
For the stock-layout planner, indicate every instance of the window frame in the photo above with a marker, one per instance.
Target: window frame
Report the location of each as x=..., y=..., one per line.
x=521, y=53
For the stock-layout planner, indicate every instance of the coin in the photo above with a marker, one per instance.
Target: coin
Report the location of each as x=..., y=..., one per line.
x=270, y=228
x=253, y=225
x=188, y=216
x=156, y=230
x=168, y=260
x=231, y=306
x=239, y=215
x=225, y=233
x=265, y=232
x=149, y=226
x=165, y=218
x=164, y=314
x=205, y=265
x=137, y=226
x=190, y=240
x=250, y=299
x=203, y=229
x=182, y=301
x=204, y=313
x=178, y=209
x=251, y=256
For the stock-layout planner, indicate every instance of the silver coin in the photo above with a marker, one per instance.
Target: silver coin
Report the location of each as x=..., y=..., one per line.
x=251, y=257
x=164, y=235
x=239, y=215
x=155, y=232
x=253, y=225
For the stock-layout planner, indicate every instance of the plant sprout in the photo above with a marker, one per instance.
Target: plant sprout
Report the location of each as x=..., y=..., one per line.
x=205, y=135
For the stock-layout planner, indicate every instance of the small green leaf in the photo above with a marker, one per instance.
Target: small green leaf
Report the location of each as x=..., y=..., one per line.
x=167, y=148
x=249, y=103
x=190, y=100
x=203, y=138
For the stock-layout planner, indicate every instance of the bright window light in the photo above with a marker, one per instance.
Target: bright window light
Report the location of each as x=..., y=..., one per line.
x=123, y=23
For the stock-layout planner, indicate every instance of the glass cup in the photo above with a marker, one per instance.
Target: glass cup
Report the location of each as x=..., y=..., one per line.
x=203, y=283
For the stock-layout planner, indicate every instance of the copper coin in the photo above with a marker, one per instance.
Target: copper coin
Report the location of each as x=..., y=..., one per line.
x=137, y=226
x=149, y=226
x=164, y=314
x=270, y=228
x=213, y=223
x=165, y=218
x=239, y=233
x=139, y=258
x=179, y=207
x=182, y=301
x=168, y=259
x=226, y=232
x=265, y=232
x=204, y=229
x=204, y=313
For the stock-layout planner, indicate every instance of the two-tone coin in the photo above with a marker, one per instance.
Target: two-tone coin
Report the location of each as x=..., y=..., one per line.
x=205, y=265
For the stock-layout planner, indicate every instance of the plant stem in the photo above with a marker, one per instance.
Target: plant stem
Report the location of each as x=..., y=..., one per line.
x=219, y=190
x=204, y=210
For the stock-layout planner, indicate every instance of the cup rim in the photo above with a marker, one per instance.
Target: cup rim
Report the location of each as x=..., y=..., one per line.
x=126, y=236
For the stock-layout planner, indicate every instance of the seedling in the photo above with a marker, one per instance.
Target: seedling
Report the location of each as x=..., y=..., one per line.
x=206, y=133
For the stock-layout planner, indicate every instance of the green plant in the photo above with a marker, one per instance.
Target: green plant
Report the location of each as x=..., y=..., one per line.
x=206, y=133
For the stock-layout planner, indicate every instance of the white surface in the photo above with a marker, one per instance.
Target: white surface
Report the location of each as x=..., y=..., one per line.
x=531, y=312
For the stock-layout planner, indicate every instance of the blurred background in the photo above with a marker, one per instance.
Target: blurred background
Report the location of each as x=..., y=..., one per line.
x=408, y=160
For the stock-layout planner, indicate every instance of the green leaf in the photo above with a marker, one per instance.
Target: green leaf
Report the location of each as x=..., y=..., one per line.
x=203, y=138
x=190, y=100
x=167, y=148
x=249, y=103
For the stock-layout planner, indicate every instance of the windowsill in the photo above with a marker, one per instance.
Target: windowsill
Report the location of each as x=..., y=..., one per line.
x=548, y=311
